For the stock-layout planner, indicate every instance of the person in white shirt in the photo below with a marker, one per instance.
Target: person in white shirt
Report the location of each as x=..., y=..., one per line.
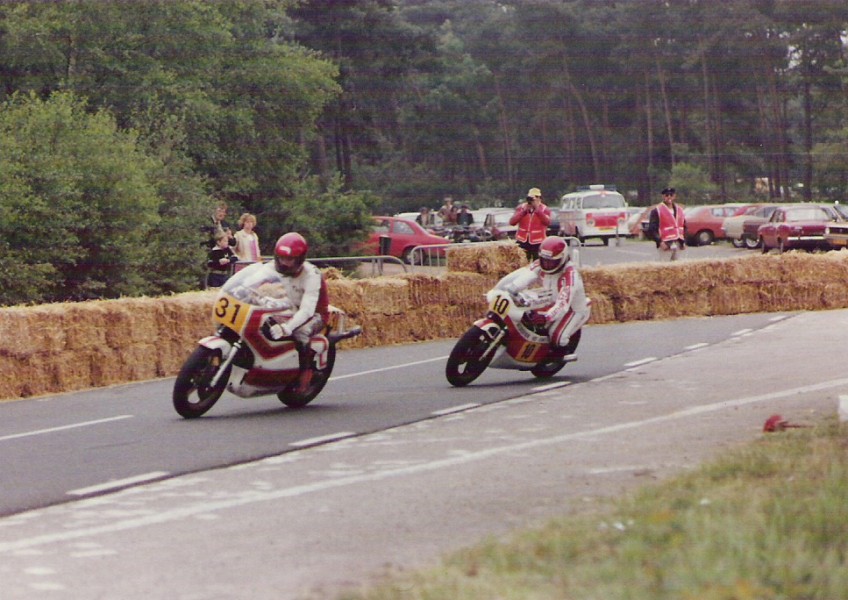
x=247, y=242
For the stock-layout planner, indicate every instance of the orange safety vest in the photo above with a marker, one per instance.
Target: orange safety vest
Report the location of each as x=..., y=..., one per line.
x=671, y=224
x=533, y=227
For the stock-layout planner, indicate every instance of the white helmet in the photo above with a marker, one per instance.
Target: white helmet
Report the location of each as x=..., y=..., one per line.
x=553, y=254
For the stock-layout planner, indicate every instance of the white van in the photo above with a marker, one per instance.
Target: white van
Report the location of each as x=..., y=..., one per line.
x=595, y=211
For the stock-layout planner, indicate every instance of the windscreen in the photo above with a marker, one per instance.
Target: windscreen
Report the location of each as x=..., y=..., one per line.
x=604, y=201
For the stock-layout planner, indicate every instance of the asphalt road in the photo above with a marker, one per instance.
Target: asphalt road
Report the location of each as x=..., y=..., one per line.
x=109, y=493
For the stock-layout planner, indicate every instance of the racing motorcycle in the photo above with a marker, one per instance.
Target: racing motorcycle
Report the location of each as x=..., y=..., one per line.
x=243, y=358
x=506, y=339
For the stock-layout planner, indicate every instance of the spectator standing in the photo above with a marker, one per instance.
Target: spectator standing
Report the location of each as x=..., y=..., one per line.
x=247, y=242
x=218, y=226
x=425, y=218
x=219, y=261
x=448, y=212
x=464, y=216
x=532, y=218
x=667, y=226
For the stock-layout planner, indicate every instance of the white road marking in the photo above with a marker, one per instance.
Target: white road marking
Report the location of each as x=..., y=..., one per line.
x=63, y=427
x=640, y=362
x=551, y=386
x=454, y=409
x=741, y=332
x=404, y=365
x=322, y=439
x=696, y=346
x=118, y=483
x=207, y=506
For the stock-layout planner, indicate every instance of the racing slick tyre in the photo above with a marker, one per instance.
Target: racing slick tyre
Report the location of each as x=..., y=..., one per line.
x=551, y=367
x=291, y=398
x=466, y=361
x=547, y=369
x=193, y=395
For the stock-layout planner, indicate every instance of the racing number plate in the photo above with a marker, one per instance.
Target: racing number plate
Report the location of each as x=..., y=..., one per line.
x=500, y=305
x=231, y=313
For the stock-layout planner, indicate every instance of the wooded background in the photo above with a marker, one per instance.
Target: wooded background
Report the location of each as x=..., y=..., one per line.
x=123, y=122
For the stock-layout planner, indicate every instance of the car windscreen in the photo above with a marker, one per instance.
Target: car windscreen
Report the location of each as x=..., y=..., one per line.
x=807, y=214
x=604, y=201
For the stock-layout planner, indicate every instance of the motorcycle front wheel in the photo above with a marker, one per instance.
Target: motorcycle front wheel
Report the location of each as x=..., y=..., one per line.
x=320, y=377
x=466, y=361
x=193, y=395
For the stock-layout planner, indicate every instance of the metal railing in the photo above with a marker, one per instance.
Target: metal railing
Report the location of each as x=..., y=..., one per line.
x=376, y=260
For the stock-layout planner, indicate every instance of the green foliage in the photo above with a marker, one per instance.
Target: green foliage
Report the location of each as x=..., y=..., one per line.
x=76, y=198
x=692, y=183
x=332, y=220
x=768, y=521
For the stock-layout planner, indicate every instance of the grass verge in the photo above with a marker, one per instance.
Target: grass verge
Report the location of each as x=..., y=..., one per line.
x=768, y=521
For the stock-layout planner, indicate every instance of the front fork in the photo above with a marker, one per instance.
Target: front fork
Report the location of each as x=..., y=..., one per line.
x=495, y=331
x=228, y=353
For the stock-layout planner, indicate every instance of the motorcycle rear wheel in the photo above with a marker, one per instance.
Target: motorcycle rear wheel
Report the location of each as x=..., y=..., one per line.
x=192, y=396
x=549, y=368
x=466, y=362
x=320, y=377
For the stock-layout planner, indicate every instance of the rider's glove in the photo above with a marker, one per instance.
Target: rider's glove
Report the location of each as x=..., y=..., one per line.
x=536, y=318
x=278, y=331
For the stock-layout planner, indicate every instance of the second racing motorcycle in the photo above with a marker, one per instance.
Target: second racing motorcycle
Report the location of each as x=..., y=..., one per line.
x=505, y=339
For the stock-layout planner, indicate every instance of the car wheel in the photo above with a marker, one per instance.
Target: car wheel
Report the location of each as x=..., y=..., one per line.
x=408, y=258
x=750, y=242
x=704, y=238
x=737, y=243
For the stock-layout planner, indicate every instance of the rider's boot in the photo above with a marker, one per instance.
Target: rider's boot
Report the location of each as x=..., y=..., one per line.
x=305, y=355
x=563, y=353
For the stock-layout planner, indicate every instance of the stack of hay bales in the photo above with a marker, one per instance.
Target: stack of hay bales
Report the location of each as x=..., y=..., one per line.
x=497, y=258
x=410, y=307
x=70, y=346
x=61, y=347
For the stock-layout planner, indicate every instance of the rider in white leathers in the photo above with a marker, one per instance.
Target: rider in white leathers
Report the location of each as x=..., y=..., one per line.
x=560, y=281
x=304, y=288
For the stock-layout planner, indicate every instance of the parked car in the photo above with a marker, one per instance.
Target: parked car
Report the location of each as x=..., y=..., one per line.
x=397, y=237
x=795, y=226
x=496, y=225
x=735, y=227
x=704, y=223
x=836, y=231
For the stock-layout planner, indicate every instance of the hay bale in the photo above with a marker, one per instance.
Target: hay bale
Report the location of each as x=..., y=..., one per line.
x=603, y=309
x=495, y=258
x=734, y=299
x=384, y=295
x=423, y=289
x=467, y=289
x=347, y=295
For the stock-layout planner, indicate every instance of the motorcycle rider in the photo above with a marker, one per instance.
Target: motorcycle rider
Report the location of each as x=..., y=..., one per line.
x=569, y=309
x=306, y=290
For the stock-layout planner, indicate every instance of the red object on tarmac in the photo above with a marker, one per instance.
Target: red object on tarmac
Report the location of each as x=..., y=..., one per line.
x=778, y=423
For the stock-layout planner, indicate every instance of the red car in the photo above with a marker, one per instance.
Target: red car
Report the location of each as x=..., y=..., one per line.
x=795, y=226
x=704, y=223
x=397, y=237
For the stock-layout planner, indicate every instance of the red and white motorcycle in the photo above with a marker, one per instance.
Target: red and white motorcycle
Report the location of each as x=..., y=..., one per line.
x=505, y=339
x=243, y=358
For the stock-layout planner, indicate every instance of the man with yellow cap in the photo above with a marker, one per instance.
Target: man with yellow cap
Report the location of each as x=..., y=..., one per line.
x=532, y=218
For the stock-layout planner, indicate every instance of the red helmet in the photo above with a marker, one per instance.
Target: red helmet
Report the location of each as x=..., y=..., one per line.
x=553, y=254
x=290, y=253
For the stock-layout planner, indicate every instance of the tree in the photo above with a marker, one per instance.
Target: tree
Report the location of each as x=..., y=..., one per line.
x=77, y=202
